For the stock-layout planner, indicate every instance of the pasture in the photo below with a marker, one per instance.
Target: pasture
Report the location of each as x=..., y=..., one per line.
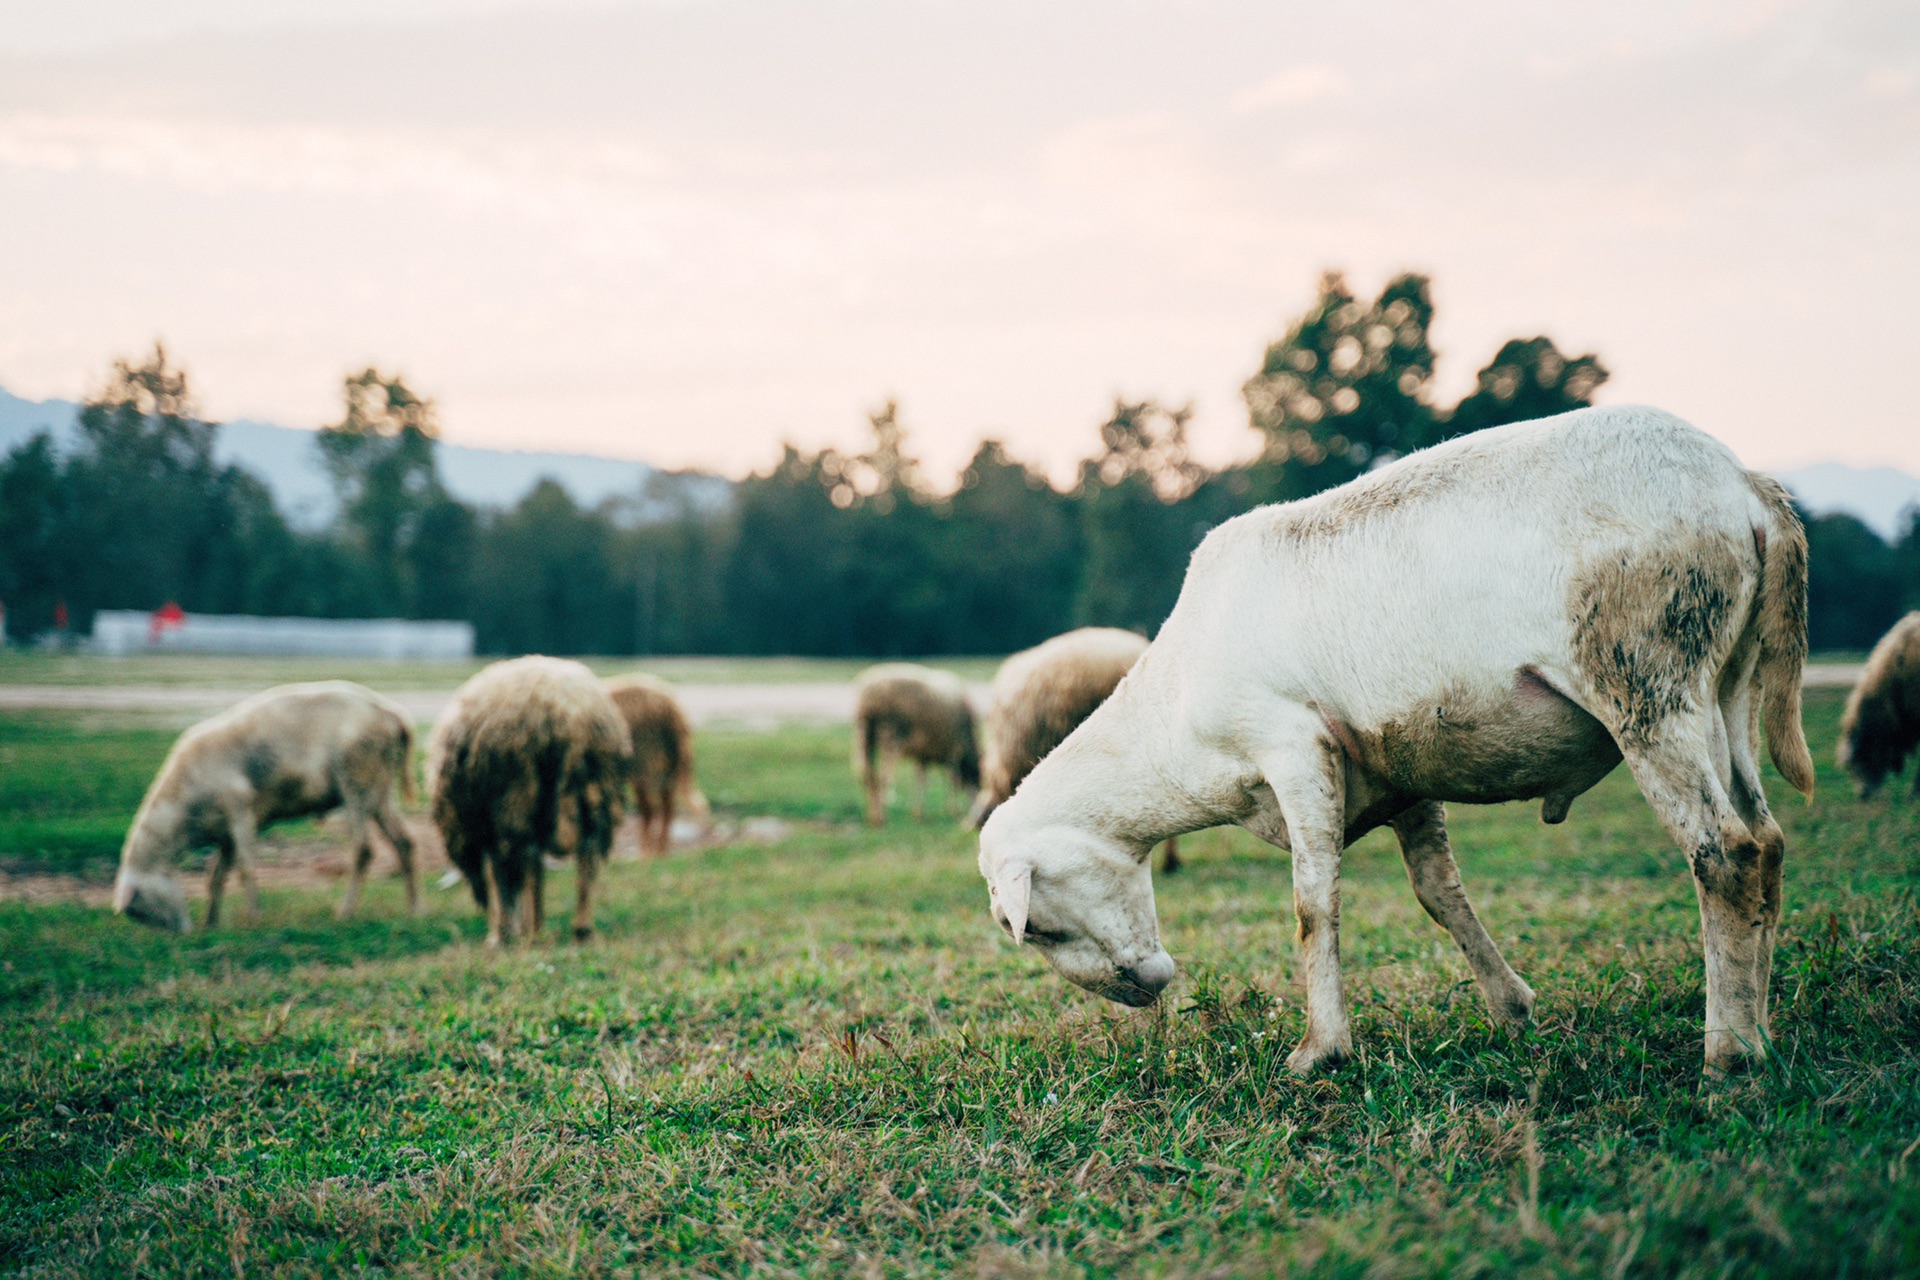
x=816, y=1056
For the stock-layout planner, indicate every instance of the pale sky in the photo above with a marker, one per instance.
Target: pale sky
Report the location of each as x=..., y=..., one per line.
x=683, y=230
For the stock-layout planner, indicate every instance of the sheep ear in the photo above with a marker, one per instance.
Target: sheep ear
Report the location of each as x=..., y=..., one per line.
x=1016, y=890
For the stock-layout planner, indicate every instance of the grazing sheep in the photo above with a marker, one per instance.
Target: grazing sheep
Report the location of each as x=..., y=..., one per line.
x=290, y=752
x=528, y=762
x=1501, y=617
x=1881, y=726
x=662, y=756
x=1041, y=695
x=917, y=712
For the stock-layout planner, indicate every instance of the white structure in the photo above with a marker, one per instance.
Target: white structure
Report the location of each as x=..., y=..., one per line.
x=123, y=631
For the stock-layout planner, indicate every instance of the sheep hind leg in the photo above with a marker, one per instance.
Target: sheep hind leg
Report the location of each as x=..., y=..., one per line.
x=586, y=870
x=1750, y=802
x=1170, y=856
x=357, y=869
x=536, y=895
x=1675, y=767
x=503, y=899
x=1422, y=831
x=879, y=781
x=395, y=830
x=920, y=796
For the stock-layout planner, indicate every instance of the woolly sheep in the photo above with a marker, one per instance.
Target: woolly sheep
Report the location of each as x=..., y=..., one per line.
x=528, y=763
x=1041, y=695
x=1881, y=725
x=906, y=710
x=662, y=756
x=290, y=752
x=1501, y=617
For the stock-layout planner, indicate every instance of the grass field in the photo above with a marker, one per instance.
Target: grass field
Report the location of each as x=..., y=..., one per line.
x=818, y=1057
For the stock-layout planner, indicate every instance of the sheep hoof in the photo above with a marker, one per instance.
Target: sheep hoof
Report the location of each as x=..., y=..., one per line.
x=583, y=933
x=1310, y=1057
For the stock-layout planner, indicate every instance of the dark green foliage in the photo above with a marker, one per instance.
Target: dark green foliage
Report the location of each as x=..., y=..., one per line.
x=1527, y=379
x=1857, y=586
x=409, y=537
x=139, y=514
x=1345, y=387
x=824, y=554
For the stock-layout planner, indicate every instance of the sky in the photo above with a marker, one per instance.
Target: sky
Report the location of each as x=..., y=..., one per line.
x=686, y=230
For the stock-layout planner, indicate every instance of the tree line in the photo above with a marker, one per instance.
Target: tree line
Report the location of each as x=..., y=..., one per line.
x=826, y=553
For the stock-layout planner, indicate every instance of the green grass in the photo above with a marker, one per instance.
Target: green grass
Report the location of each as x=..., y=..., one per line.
x=69, y=786
x=819, y=1058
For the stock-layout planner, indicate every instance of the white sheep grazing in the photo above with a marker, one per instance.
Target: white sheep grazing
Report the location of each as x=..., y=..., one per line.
x=1502, y=617
x=290, y=752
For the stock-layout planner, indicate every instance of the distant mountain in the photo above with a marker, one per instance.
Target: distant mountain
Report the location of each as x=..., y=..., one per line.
x=1879, y=496
x=286, y=459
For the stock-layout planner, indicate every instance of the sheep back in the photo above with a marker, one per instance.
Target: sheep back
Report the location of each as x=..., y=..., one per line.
x=920, y=712
x=530, y=759
x=662, y=737
x=1041, y=695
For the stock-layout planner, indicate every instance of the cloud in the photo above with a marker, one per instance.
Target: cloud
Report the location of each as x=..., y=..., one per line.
x=1309, y=82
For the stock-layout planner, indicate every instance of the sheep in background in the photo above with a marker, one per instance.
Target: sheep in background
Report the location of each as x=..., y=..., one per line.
x=662, y=757
x=291, y=752
x=1881, y=726
x=528, y=762
x=901, y=709
x=1040, y=695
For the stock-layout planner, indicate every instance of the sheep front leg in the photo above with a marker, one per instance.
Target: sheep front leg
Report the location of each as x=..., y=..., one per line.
x=240, y=825
x=1422, y=831
x=217, y=882
x=1311, y=791
x=394, y=828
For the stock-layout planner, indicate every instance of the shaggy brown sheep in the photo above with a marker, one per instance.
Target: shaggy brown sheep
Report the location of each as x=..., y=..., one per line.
x=1041, y=695
x=528, y=762
x=662, y=757
x=917, y=712
x=290, y=752
x=1881, y=726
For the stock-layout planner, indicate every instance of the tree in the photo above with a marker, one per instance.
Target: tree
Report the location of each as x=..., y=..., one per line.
x=1528, y=378
x=1345, y=388
x=34, y=550
x=1011, y=555
x=396, y=514
x=1135, y=517
x=150, y=516
x=547, y=580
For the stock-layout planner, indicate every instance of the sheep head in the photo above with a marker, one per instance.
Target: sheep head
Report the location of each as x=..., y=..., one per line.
x=1084, y=900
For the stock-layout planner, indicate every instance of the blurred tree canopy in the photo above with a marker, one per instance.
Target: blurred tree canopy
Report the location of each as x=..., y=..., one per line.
x=826, y=552
x=1346, y=386
x=1528, y=378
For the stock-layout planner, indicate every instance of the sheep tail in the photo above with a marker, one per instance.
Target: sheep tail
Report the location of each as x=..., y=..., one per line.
x=1783, y=632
